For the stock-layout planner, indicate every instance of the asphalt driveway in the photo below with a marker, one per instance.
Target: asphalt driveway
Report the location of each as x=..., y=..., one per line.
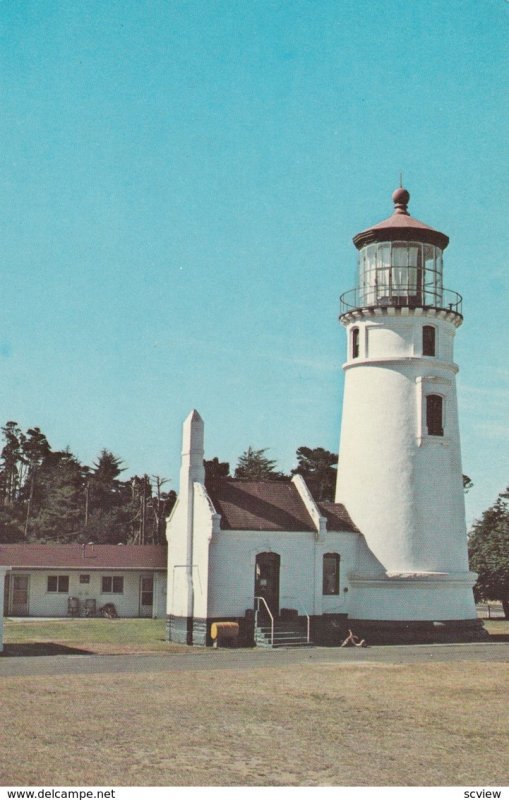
x=208, y=659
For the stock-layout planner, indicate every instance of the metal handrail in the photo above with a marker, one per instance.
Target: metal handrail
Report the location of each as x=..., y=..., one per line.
x=303, y=609
x=270, y=615
x=371, y=297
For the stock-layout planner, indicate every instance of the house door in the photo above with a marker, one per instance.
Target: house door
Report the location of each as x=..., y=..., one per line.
x=267, y=580
x=20, y=585
x=146, y=595
x=7, y=584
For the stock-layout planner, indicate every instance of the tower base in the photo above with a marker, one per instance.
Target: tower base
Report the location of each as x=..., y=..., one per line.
x=419, y=632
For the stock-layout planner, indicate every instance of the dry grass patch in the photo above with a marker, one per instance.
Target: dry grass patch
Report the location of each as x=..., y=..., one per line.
x=438, y=724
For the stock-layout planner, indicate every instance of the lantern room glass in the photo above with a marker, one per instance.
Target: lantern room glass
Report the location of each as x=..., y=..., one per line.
x=400, y=274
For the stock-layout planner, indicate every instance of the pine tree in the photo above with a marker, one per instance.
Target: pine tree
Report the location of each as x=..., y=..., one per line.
x=253, y=465
x=489, y=552
x=318, y=468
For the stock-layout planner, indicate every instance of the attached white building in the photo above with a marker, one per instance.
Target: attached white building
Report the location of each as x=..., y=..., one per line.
x=235, y=540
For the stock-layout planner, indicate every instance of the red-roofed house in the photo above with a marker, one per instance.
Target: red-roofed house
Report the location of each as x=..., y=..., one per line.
x=48, y=580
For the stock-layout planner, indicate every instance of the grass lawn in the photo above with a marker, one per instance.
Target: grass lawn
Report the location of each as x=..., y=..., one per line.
x=112, y=636
x=117, y=636
x=440, y=724
x=498, y=629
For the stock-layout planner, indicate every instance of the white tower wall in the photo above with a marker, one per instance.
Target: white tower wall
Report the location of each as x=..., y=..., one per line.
x=402, y=487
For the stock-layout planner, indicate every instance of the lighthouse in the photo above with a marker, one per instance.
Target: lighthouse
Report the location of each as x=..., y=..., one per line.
x=399, y=471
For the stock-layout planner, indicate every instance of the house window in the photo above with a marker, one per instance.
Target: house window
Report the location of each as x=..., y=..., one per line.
x=331, y=573
x=112, y=584
x=428, y=340
x=434, y=415
x=355, y=343
x=84, y=578
x=58, y=583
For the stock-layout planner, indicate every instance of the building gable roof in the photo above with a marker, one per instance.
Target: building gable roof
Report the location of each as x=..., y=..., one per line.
x=83, y=557
x=270, y=506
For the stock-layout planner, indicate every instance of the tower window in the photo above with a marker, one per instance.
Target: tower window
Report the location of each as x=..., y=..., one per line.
x=331, y=573
x=434, y=415
x=355, y=343
x=428, y=340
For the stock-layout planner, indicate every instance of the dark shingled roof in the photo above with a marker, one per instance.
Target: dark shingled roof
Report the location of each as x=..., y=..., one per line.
x=338, y=518
x=270, y=506
x=75, y=556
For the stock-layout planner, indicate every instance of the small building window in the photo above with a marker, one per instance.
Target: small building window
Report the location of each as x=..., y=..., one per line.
x=58, y=583
x=434, y=415
x=84, y=578
x=113, y=584
x=355, y=343
x=331, y=573
x=428, y=340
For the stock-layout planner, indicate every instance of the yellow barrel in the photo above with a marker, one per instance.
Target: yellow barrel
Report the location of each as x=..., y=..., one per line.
x=224, y=630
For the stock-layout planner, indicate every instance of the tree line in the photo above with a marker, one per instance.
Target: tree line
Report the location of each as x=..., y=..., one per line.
x=317, y=466
x=48, y=495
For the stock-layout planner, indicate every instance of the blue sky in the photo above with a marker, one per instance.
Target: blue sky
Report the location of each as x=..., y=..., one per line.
x=180, y=183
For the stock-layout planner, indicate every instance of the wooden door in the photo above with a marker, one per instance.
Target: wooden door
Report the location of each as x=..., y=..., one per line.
x=267, y=580
x=146, y=595
x=20, y=586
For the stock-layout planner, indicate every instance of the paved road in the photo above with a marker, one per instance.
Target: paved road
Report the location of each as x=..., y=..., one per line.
x=250, y=659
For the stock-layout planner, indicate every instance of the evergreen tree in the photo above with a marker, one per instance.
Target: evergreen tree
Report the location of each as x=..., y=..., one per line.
x=35, y=449
x=57, y=499
x=11, y=461
x=489, y=552
x=215, y=469
x=109, y=501
x=318, y=468
x=253, y=465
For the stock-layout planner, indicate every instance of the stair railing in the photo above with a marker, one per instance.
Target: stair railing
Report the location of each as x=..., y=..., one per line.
x=298, y=603
x=270, y=615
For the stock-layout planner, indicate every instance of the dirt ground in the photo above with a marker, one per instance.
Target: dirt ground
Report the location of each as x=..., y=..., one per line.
x=304, y=725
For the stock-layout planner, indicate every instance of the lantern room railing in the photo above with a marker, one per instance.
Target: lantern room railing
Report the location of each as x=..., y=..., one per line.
x=367, y=298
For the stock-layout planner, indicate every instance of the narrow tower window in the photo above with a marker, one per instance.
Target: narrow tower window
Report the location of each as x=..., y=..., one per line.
x=355, y=343
x=428, y=340
x=331, y=573
x=434, y=415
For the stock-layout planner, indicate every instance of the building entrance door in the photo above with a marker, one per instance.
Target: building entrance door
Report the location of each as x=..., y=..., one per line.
x=19, y=591
x=146, y=595
x=267, y=581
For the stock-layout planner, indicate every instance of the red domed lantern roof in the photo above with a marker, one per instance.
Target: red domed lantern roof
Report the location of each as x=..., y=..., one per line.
x=401, y=227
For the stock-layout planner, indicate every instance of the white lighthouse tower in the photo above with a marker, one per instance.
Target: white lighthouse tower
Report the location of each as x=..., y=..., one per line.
x=399, y=472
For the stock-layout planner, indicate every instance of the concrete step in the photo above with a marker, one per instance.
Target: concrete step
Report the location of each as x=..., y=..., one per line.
x=286, y=634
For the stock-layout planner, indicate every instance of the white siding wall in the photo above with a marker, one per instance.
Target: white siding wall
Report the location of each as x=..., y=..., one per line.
x=232, y=567
x=54, y=604
x=176, y=535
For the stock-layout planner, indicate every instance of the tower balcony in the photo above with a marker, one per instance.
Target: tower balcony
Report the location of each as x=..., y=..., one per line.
x=368, y=299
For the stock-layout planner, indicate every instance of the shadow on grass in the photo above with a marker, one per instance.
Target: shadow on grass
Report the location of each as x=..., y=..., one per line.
x=43, y=649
